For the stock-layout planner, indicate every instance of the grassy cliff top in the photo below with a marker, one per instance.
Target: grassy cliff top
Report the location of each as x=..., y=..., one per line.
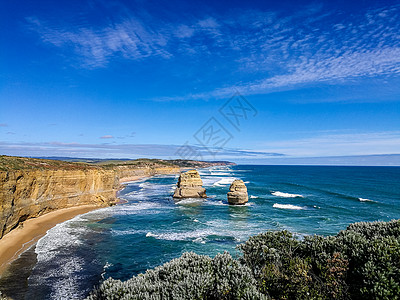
x=9, y=163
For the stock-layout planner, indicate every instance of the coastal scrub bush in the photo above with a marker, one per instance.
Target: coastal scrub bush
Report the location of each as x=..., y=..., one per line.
x=361, y=262
x=191, y=276
x=2, y=297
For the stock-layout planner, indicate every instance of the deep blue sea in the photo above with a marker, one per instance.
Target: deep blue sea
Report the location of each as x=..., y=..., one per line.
x=151, y=228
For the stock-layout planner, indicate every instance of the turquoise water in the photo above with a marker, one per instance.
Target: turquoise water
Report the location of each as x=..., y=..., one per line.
x=151, y=228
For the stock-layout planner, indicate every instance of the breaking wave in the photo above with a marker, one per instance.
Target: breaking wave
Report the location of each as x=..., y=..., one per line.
x=288, y=206
x=224, y=181
x=287, y=195
x=365, y=200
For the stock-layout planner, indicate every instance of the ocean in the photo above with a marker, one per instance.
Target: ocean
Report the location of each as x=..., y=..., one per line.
x=151, y=228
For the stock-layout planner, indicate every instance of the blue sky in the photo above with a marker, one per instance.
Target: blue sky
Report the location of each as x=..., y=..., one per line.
x=248, y=81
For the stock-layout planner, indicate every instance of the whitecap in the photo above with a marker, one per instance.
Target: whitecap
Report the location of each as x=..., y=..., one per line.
x=181, y=236
x=149, y=234
x=254, y=197
x=288, y=206
x=365, y=200
x=286, y=195
x=199, y=240
x=209, y=180
x=224, y=181
x=189, y=201
x=139, y=208
x=126, y=232
x=220, y=174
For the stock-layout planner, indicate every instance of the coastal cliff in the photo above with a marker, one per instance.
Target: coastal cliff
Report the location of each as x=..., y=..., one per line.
x=32, y=187
x=27, y=194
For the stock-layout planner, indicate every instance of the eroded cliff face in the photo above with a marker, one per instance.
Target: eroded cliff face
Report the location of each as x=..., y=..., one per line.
x=26, y=194
x=128, y=173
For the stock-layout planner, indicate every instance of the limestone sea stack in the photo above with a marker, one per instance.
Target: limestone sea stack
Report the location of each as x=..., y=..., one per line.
x=237, y=194
x=190, y=185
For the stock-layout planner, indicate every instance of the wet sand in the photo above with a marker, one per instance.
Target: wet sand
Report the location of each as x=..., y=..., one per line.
x=21, y=238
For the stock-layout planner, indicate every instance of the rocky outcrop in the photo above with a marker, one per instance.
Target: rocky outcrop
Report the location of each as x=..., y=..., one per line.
x=237, y=194
x=190, y=185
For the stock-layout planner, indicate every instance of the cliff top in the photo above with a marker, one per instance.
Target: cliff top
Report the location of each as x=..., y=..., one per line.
x=8, y=163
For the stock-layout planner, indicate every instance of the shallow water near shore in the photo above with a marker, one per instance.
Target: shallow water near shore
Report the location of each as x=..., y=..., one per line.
x=151, y=228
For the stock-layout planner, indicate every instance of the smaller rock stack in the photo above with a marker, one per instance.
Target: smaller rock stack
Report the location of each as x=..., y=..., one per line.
x=237, y=194
x=190, y=185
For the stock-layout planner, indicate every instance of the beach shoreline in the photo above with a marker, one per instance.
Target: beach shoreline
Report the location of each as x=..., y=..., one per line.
x=20, y=239
x=23, y=237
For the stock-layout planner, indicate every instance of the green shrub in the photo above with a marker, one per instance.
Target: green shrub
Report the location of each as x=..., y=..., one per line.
x=191, y=276
x=2, y=297
x=361, y=262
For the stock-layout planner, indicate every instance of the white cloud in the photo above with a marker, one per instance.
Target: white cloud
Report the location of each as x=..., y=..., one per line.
x=269, y=50
x=113, y=150
x=339, y=144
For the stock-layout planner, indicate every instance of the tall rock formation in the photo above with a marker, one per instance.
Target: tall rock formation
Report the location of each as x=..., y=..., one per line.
x=237, y=194
x=190, y=185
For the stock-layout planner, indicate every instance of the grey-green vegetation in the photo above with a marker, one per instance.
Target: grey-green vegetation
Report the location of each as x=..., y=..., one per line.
x=361, y=262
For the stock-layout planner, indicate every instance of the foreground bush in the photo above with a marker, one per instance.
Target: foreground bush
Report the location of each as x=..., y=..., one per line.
x=191, y=276
x=361, y=262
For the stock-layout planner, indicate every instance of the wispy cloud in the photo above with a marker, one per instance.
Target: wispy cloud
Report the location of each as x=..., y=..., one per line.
x=339, y=144
x=270, y=50
x=107, y=137
x=108, y=150
x=3, y=125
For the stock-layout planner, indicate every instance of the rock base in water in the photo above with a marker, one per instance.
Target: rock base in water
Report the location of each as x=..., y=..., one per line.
x=237, y=194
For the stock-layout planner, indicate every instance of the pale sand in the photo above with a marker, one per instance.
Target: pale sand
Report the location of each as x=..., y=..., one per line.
x=21, y=238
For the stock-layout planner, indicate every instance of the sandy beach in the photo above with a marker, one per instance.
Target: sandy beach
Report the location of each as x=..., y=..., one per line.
x=21, y=238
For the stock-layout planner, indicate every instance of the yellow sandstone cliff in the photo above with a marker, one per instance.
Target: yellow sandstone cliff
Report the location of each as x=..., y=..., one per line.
x=32, y=187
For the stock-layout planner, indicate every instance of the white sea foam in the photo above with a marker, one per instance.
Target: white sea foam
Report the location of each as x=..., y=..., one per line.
x=127, y=232
x=288, y=206
x=199, y=240
x=143, y=207
x=286, y=195
x=64, y=273
x=220, y=174
x=182, y=236
x=224, y=181
x=210, y=180
x=365, y=200
x=254, y=197
x=216, y=203
x=58, y=237
x=190, y=201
